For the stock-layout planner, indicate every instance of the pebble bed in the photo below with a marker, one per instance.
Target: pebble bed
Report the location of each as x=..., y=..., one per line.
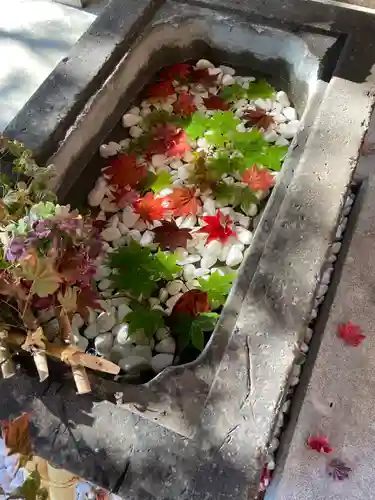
x=106, y=333
x=321, y=291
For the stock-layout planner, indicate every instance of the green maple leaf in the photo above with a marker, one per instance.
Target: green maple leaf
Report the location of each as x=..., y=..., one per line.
x=273, y=157
x=221, y=164
x=247, y=198
x=147, y=182
x=197, y=126
x=234, y=194
x=134, y=269
x=162, y=180
x=217, y=286
x=202, y=323
x=142, y=318
x=30, y=489
x=222, y=126
x=167, y=264
x=233, y=93
x=259, y=90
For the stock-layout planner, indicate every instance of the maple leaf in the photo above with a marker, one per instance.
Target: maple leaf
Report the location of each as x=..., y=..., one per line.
x=215, y=102
x=217, y=286
x=265, y=478
x=233, y=93
x=167, y=264
x=222, y=128
x=218, y=227
x=202, y=323
x=258, y=178
x=351, y=334
x=184, y=105
x=16, y=435
x=259, y=90
x=87, y=297
x=30, y=489
x=124, y=197
x=272, y=157
x=192, y=303
x=338, y=469
x=169, y=141
x=178, y=146
x=258, y=118
x=68, y=299
x=150, y=208
x=143, y=318
x=170, y=236
x=205, y=178
x=183, y=201
x=41, y=272
x=198, y=125
x=124, y=172
x=161, y=90
x=203, y=77
x=319, y=444
x=161, y=181
x=180, y=71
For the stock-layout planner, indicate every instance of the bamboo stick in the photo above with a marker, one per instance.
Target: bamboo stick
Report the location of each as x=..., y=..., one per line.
x=35, y=345
x=7, y=365
x=40, y=360
x=66, y=327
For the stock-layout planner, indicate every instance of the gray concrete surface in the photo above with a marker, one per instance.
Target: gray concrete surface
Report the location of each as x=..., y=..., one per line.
x=340, y=398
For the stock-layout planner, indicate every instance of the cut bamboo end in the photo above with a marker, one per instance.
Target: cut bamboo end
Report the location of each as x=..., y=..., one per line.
x=81, y=379
x=7, y=365
x=40, y=360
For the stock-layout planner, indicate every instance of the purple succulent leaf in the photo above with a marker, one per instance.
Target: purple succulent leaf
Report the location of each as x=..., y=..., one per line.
x=16, y=249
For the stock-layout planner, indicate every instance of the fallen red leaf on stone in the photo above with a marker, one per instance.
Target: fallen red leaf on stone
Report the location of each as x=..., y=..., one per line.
x=192, y=303
x=319, y=443
x=161, y=90
x=218, y=227
x=125, y=197
x=258, y=178
x=183, y=201
x=150, y=208
x=169, y=141
x=179, y=145
x=87, y=297
x=338, y=469
x=184, y=105
x=170, y=236
x=124, y=172
x=214, y=102
x=265, y=479
x=180, y=71
x=258, y=118
x=16, y=435
x=351, y=334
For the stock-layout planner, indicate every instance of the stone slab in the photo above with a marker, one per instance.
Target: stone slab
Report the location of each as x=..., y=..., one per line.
x=340, y=397
x=224, y=455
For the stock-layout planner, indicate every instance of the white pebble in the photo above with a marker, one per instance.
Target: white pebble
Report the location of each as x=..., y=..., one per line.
x=214, y=248
x=167, y=345
x=192, y=284
x=107, y=150
x=294, y=381
x=103, y=343
x=147, y=238
x=244, y=235
x=304, y=347
x=141, y=225
x=91, y=331
x=290, y=113
x=129, y=218
x=80, y=342
x=163, y=295
x=130, y=119
x=289, y=130
x=77, y=321
x=135, y=235
x=113, y=221
x=227, y=80
x=174, y=287
x=204, y=64
x=158, y=160
x=227, y=70
x=183, y=173
x=92, y=316
x=252, y=209
x=97, y=194
x=122, y=311
x=144, y=351
x=122, y=333
x=135, y=131
x=282, y=98
x=190, y=259
x=134, y=364
x=189, y=272
x=207, y=261
x=209, y=207
x=243, y=220
x=281, y=141
x=122, y=228
x=119, y=351
x=108, y=206
x=162, y=333
x=271, y=136
x=140, y=338
x=104, y=284
x=110, y=234
x=308, y=335
x=234, y=257
x=106, y=321
x=188, y=157
x=170, y=303
x=161, y=361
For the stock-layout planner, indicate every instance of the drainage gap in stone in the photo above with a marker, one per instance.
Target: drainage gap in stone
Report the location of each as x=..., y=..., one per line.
x=177, y=205
x=283, y=427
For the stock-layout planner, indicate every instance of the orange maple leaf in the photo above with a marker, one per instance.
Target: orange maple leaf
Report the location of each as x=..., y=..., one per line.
x=183, y=201
x=192, y=303
x=150, y=208
x=258, y=178
x=124, y=172
x=16, y=435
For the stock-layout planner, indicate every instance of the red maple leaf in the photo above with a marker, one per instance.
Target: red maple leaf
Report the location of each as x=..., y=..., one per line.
x=351, y=334
x=125, y=197
x=217, y=226
x=184, y=105
x=319, y=444
x=16, y=434
x=203, y=77
x=124, y=172
x=183, y=201
x=179, y=145
x=170, y=236
x=179, y=71
x=169, y=141
x=214, y=102
x=258, y=118
x=87, y=297
x=161, y=90
x=258, y=178
x=150, y=208
x=192, y=303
